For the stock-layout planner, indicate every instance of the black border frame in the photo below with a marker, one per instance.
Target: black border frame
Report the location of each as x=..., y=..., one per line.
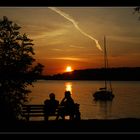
x=69, y=3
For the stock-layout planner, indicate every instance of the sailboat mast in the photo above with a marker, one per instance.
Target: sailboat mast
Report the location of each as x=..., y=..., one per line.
x=106, y=65
x=105, y=61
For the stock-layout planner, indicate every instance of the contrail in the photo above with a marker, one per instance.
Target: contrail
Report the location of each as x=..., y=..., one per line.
x=66, y=16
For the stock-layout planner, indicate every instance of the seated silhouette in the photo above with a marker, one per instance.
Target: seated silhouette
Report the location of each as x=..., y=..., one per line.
x=68, y=107
x=50, y=106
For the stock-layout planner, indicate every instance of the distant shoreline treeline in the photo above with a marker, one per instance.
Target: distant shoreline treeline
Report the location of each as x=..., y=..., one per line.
x=114, y=74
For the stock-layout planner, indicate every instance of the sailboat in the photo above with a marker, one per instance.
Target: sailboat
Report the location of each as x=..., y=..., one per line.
x=105, y=93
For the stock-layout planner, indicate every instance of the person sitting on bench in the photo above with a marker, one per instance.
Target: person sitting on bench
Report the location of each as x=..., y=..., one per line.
x=68, y=106
x=50, y=106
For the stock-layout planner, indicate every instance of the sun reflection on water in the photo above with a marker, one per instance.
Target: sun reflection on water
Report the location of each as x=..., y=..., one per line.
x=68, y=86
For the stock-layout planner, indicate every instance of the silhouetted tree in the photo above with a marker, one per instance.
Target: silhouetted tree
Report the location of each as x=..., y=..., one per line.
x=17, y=69
x=137, y=10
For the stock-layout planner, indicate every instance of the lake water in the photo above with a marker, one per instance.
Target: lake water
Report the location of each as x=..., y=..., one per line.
x=126, y=102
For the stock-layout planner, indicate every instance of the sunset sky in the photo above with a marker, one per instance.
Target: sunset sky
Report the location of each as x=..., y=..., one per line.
x=58, y=43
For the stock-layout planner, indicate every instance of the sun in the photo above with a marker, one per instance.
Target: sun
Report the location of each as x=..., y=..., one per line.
x=69, y=69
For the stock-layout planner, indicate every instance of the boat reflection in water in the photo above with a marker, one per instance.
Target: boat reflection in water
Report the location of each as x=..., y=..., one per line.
x=104, y=109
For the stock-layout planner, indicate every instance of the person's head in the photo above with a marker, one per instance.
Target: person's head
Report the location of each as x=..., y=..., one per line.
x=52, y=96
x=67, y=94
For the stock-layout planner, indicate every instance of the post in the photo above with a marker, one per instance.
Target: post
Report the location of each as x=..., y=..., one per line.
x=28, y=113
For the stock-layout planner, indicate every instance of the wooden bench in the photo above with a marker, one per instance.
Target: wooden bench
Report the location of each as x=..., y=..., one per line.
x=35, y=110
x=32, y=111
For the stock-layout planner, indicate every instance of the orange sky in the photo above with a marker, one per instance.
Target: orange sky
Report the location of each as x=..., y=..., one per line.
x=58, y=43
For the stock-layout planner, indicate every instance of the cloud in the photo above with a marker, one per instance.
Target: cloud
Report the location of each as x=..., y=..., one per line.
x=57, y=50
x=76, y=46
x=46, y=34
x=75, y=23
x=69, y=58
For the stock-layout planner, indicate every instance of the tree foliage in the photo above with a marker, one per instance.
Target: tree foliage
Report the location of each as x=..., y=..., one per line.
x=137, y=10
x=17, y=69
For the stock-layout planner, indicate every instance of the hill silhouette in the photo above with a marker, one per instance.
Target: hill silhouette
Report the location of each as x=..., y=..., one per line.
x=118, y=74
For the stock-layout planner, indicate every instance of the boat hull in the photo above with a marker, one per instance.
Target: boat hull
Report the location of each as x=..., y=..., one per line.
x=103, y=95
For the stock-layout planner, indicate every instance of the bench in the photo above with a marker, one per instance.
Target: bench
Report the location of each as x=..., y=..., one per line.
x=32, y=111
x=35, y=110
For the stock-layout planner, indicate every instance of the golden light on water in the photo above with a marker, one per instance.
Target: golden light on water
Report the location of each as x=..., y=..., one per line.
x=68, y=87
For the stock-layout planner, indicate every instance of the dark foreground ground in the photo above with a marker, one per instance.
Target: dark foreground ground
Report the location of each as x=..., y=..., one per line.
x=117, y=125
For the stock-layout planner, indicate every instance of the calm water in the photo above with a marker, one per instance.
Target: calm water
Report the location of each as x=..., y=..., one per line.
x=125, y=104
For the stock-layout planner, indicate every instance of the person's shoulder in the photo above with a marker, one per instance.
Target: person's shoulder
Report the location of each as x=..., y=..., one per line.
x=57, y=101
x=46, y=101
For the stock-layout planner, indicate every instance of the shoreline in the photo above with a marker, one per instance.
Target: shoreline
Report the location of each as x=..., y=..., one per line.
x=91, y=125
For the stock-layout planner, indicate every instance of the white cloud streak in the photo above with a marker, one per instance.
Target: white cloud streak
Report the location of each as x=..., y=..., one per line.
x=66, y=16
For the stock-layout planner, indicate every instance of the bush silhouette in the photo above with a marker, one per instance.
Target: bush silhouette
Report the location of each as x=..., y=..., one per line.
x=18, y=69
